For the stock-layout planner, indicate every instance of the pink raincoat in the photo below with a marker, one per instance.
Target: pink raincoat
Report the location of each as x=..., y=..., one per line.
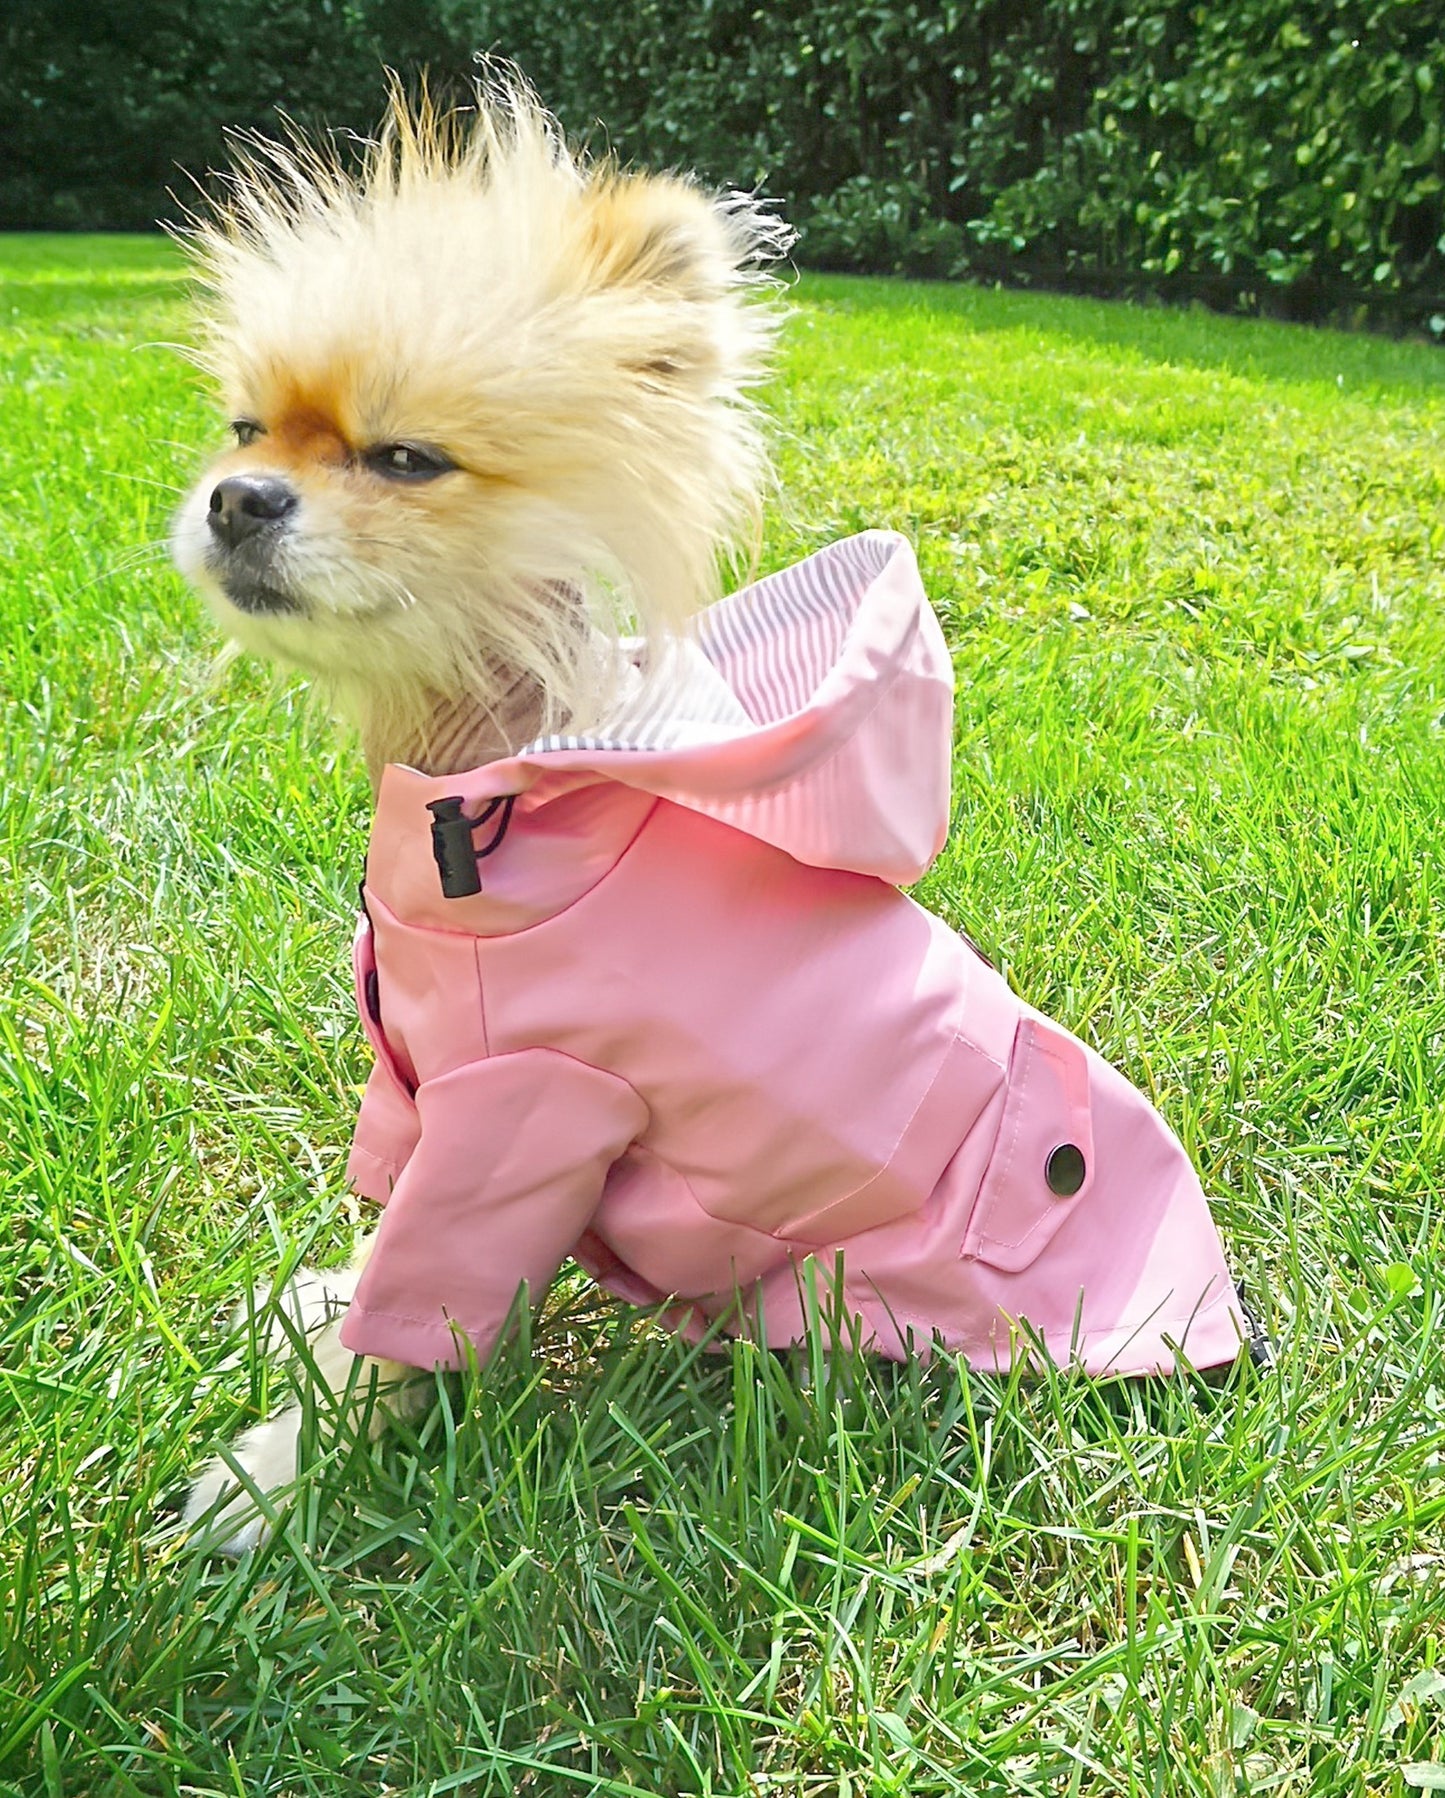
x=691, y=1034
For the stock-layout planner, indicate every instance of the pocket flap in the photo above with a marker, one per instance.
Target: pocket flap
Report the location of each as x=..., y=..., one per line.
x=1042, y=1165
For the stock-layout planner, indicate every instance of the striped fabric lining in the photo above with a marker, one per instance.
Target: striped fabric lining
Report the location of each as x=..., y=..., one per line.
x=757, y=657
x=779, y=638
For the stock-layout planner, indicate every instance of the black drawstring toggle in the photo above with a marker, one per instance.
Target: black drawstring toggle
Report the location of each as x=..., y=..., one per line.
x=451, y=842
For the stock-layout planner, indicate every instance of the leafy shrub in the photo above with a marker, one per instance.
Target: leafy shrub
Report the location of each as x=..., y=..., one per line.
x=878, y=224
x=104, y=108
x=1255, y=152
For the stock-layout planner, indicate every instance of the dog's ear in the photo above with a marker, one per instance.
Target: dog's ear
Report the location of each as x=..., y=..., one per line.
x=681, y=274
x=659, y=234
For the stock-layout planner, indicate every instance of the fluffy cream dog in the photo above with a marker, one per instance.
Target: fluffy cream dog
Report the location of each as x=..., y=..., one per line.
x=490, y=408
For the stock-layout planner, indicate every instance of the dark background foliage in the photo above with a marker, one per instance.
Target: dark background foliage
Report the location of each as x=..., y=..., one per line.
x=1256, y=153
x=106, y=106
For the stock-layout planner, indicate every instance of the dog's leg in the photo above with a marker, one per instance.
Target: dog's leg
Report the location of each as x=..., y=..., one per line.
x=267, y=1452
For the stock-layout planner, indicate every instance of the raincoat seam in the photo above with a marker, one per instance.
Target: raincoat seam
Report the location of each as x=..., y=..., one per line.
x=551, y=1051
x=712, y=1217
x=391, y=1168
x=1188, y=1319
x=481, y=996
x=451, y=1325
x=891, y=1154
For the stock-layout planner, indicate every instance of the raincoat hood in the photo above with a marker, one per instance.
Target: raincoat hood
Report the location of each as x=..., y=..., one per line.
x=812, y=711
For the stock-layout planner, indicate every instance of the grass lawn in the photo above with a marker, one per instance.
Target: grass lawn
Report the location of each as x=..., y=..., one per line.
x=1195, y=573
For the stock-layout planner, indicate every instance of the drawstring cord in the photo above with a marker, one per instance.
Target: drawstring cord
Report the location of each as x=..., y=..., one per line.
x=451, y=842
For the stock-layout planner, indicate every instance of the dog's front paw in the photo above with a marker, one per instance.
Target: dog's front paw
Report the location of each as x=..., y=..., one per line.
x=232, y=1505
x=311, y=1299
x=222, y=1507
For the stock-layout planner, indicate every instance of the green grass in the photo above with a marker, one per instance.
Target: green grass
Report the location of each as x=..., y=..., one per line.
x=1193, y=569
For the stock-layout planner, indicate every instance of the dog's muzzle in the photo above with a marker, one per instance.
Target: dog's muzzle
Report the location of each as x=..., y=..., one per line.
x=248, y=516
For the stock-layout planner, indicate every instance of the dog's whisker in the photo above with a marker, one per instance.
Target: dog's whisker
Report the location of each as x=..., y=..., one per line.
x=142, y=556
x=142, y=480
x=398, y=590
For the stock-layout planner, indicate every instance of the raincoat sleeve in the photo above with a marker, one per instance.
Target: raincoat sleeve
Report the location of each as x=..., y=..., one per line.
x=509, y=1164
x=386, y=1132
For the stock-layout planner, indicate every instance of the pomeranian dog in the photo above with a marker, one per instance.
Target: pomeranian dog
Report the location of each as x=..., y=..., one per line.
x=490, y=408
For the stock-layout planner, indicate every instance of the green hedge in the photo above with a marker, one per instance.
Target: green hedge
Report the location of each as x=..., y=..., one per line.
x=1258, y=152
x=105, y=106
x=1252, y=152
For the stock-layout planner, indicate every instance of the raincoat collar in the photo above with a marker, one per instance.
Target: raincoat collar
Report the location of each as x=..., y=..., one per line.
x=812, y=710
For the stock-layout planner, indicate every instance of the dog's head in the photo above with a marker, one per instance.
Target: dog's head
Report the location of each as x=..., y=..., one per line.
x=485, y=396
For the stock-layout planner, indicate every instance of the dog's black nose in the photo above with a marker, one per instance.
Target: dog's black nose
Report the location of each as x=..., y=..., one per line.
x=243, y=504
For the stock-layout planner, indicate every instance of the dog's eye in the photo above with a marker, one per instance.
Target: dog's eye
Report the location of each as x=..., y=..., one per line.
x=408, y=462
x=247, y=430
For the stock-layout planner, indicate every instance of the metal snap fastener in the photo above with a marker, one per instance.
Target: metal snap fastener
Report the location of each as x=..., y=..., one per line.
x=1064, y=1170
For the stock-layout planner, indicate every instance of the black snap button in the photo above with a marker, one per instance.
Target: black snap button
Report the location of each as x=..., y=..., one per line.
x=1064, y=1170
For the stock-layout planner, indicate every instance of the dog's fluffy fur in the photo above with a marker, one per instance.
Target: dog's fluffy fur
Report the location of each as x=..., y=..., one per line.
x=491, y=407
x=577, y=341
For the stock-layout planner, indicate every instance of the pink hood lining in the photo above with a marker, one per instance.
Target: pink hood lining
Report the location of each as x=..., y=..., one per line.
x=841, y=666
